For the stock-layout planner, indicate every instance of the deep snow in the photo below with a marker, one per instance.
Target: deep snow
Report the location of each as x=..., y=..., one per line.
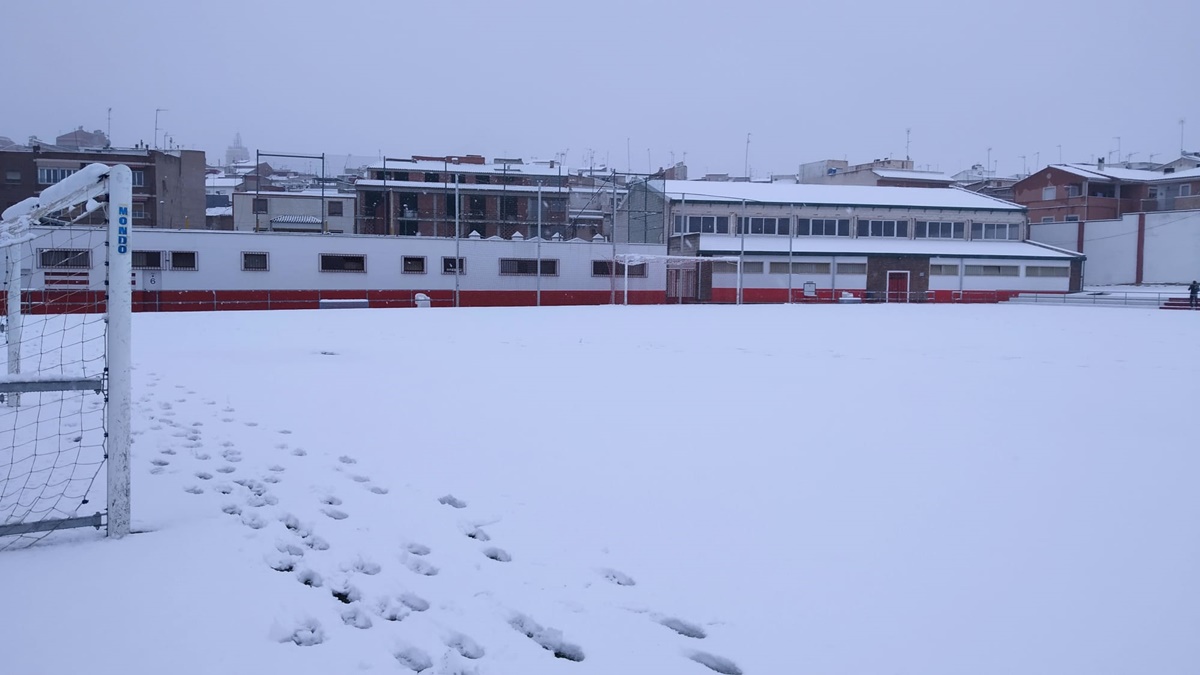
x=766, y=489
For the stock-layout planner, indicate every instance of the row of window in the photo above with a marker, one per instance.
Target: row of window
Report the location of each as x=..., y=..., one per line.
x=333, y=207
x=840, y=227
x=259, y=261
x=461, y=178
x=727, y=267
x=52, y=175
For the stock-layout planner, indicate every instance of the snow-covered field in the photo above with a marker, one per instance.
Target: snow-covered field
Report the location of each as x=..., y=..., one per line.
x=762, y=489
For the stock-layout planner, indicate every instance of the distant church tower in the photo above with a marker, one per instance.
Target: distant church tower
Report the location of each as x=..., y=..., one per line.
x=236, y=152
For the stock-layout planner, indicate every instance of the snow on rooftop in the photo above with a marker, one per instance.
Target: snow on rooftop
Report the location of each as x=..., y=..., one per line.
x=954, y=490
x=218, y=211
x=914, y=175
x=721, y=243
x=1092, y=172
x=529, y=169
x=833, y=195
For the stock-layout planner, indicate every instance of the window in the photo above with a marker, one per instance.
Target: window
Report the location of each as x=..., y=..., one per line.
x=1185, y=190
x=757, y=225
x=1074, y=189
x=752, y=268
x=1152, y=192
x=139, y=211
x=1036, y=271
x=483, y=180
x=1047, y=219
x=852, y=268
x=451, y=205
x=883, y=228
x=433, y=177
x=341, y=262
x=943, y=270
x=183, y=260
x=702, y=224
x=147, y=260
x=1049, y=193
x=12, y=176
x=254, y=262
x=335, y=208
x=139, y=178
x=59, y=258
x=603, y=268
x=724, y=267
x=823, y=227
x=413, y=264
x=477, y=206
x=452, y=265
x=940, y=230
x=1002, y=231
x=1072, y=219
x=799, y=268
x=51, y=175
x=260, y=205
x=528, y=266
x=992, y=270
x=508, y=208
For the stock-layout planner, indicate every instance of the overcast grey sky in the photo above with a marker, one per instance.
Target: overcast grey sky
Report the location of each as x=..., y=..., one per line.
x=631, y=81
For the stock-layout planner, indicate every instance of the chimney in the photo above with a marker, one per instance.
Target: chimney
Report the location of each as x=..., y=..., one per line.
x=1100, y=163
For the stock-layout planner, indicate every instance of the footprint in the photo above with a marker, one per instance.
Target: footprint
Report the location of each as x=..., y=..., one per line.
x=226, y=469
x=251, y=424
x=420, y=566
x=262, y=500
x=416, y=549
x=156, y=470
x=414, y=659
x=549, y=639
x=253, y=521
x=158, y=461
x=293, y=524
x=299, y=452
x=684, y=628
x=281, y=563
x=355, y=616
x=717, y=663
x=378, y=489
x=309, y=578
x=477, y=534
x=346, y=459
x=226, y=419
x=344, y=593
x=224, y=488
x=391, y=609
x=617, y=577
x=232, y=509
x=194, y=489
x=203, y=475
x=451, y=500
x=289, y=548
x=202, y=456
x=271, y=479
x=414, y=602
x=363, y=567
x=330, y=500
x=226, y=444
x=497, y=554
x=275, y=467
x=165, y=451
x=306, y=633
x=336, y=514
x=315, y=543
x=464, y=645
x=359, y=479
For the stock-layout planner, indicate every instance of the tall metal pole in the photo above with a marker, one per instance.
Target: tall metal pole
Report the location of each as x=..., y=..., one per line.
x=790, y=240
x=539, y=246
x=119, y=296
x=612, y=232
x=12, y=288
x=457, y=254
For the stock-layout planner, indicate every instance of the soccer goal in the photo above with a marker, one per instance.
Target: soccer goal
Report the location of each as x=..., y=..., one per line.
x=688, y=278
x=65, y=416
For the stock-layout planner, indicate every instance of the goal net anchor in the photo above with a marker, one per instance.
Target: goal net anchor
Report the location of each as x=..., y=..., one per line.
x=41, y=503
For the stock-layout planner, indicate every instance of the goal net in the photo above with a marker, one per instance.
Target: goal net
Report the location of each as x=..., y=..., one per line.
x=689, y=279
x=64, y=419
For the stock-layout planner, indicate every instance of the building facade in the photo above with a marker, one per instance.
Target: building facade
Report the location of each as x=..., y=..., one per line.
x=1083, y=192
x=168, y=185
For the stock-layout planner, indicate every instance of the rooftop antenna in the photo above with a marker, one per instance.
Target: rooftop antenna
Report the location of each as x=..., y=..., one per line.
x=156, y=111
x=1182, y=122
x=907, y=143
x=1024, y=167
x=747, y=167
x=1060, y=153
x=108, y=132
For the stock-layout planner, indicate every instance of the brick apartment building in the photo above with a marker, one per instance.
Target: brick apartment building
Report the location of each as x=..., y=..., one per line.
x=1086, y=192
x=168, y=185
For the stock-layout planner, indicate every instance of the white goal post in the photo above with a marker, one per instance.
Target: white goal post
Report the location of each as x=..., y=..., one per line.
x=76, y=353
x=627, y=260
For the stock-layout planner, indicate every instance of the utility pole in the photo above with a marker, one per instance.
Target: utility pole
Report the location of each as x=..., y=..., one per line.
x=746, y=171
x=1060, y=153
x=907, y=143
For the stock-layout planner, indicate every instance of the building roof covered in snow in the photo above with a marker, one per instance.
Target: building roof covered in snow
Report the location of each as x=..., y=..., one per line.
x=832, y=195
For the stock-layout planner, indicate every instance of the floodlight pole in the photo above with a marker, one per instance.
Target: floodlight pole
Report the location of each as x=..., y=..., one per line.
x=12, y=288
x=457, y=254
x=119, y=295
x=539, y=245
